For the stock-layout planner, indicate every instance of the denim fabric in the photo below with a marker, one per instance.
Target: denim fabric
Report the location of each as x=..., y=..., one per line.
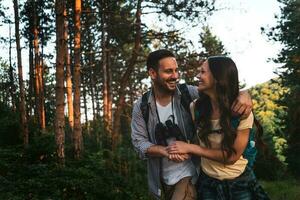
x=244, y=187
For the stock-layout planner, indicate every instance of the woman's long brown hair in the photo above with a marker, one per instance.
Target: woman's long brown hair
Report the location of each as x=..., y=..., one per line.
x=225, y=74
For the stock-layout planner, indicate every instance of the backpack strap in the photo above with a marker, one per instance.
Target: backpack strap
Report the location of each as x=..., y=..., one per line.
x=186, y=98
x=185, y=101
x=235, y=121
x=145, y=109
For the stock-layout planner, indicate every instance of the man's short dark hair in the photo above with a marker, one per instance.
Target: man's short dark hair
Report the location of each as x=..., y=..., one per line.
x=155, y=56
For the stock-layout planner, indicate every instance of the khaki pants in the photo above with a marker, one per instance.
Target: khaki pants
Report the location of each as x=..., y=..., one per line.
x=182, y=190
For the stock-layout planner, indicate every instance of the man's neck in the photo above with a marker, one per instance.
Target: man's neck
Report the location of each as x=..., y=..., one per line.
x=162, y=97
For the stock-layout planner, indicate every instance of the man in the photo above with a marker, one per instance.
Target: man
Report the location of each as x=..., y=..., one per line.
x=175, y=174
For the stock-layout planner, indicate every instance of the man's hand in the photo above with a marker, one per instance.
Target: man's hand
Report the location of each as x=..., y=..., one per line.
x=161, y=151
x=242, y=105
x=157, y=150
x=178, y=157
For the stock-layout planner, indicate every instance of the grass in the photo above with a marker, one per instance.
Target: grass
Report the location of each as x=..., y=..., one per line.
x=282, y=190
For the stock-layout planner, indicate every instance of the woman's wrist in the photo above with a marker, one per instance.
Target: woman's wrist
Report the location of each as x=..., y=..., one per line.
x=191, y=148
x=195, y=149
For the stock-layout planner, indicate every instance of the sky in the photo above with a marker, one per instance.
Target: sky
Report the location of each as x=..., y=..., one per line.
x=238, y=27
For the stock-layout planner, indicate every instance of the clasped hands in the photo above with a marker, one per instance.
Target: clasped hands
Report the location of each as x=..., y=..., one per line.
x=177, y=151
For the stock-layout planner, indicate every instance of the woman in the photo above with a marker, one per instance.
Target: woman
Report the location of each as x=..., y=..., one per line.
x=224, y=171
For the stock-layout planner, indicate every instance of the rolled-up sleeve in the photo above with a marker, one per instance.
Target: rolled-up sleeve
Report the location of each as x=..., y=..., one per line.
x=139, y=134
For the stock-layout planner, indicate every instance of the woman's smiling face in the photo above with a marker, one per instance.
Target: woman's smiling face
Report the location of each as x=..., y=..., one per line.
x=206, y=79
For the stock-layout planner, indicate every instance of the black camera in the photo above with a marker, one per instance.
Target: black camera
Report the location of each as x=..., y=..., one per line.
x=163, y=132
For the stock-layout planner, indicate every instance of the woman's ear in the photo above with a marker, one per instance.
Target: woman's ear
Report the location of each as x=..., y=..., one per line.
x=152, y=73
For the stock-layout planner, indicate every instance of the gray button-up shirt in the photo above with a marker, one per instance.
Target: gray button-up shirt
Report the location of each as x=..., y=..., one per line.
x=141, y=140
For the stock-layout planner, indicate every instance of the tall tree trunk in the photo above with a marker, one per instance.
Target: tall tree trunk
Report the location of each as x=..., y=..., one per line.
x=85, y=105
x=38, y=75
x=61, y=46
x=42, y=80
x=107, y=99
x=92, y=87
x=69, y=81
x=104, y=68
x=109, y=89
x=78, y=143
x=24, y=124
x=31, y=82
x=12, y=87
x=92, y=64
x=124, y=80
x=97, y=98
x=42, y=100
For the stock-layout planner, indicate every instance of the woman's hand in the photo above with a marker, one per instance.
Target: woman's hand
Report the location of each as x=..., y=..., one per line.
x=178, y=147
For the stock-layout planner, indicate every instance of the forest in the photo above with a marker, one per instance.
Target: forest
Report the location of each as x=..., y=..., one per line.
x=73, y=71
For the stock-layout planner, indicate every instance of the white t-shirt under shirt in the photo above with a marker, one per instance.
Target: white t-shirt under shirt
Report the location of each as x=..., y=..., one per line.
x=172, y=171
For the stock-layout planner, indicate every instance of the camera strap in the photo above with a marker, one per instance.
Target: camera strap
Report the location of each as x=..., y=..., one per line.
x=186, y=99
x=172, y=106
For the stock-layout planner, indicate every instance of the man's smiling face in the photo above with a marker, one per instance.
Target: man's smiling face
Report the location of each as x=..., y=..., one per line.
x=167, y=74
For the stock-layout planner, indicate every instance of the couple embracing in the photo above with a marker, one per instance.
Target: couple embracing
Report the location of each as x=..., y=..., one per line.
x=186, y=134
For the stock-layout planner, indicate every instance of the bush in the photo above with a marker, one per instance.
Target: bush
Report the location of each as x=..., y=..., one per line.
x=9, y=126
x=42, y=149
x=269, y=168
x=99, y=175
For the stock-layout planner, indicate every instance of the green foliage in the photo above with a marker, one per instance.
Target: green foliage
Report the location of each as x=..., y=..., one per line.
x=287, y=32
x=269, y=112
x=9, y=126
x=41, y=149
x=7, y=82
x=102, y=174
x=42, y=10
x=280, y=145
x=49, y=92
x=189, y=60
x=269, y=168
x=211, y=44
x=271, y=165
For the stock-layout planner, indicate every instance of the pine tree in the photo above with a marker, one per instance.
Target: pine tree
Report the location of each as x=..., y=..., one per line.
x=77, y=132
x=60, y=10
x=22, y=106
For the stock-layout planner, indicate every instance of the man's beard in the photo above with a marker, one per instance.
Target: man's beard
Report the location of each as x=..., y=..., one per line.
x=163, y=86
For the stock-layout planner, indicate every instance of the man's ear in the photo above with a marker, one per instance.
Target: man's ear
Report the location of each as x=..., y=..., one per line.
x=152, y=73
